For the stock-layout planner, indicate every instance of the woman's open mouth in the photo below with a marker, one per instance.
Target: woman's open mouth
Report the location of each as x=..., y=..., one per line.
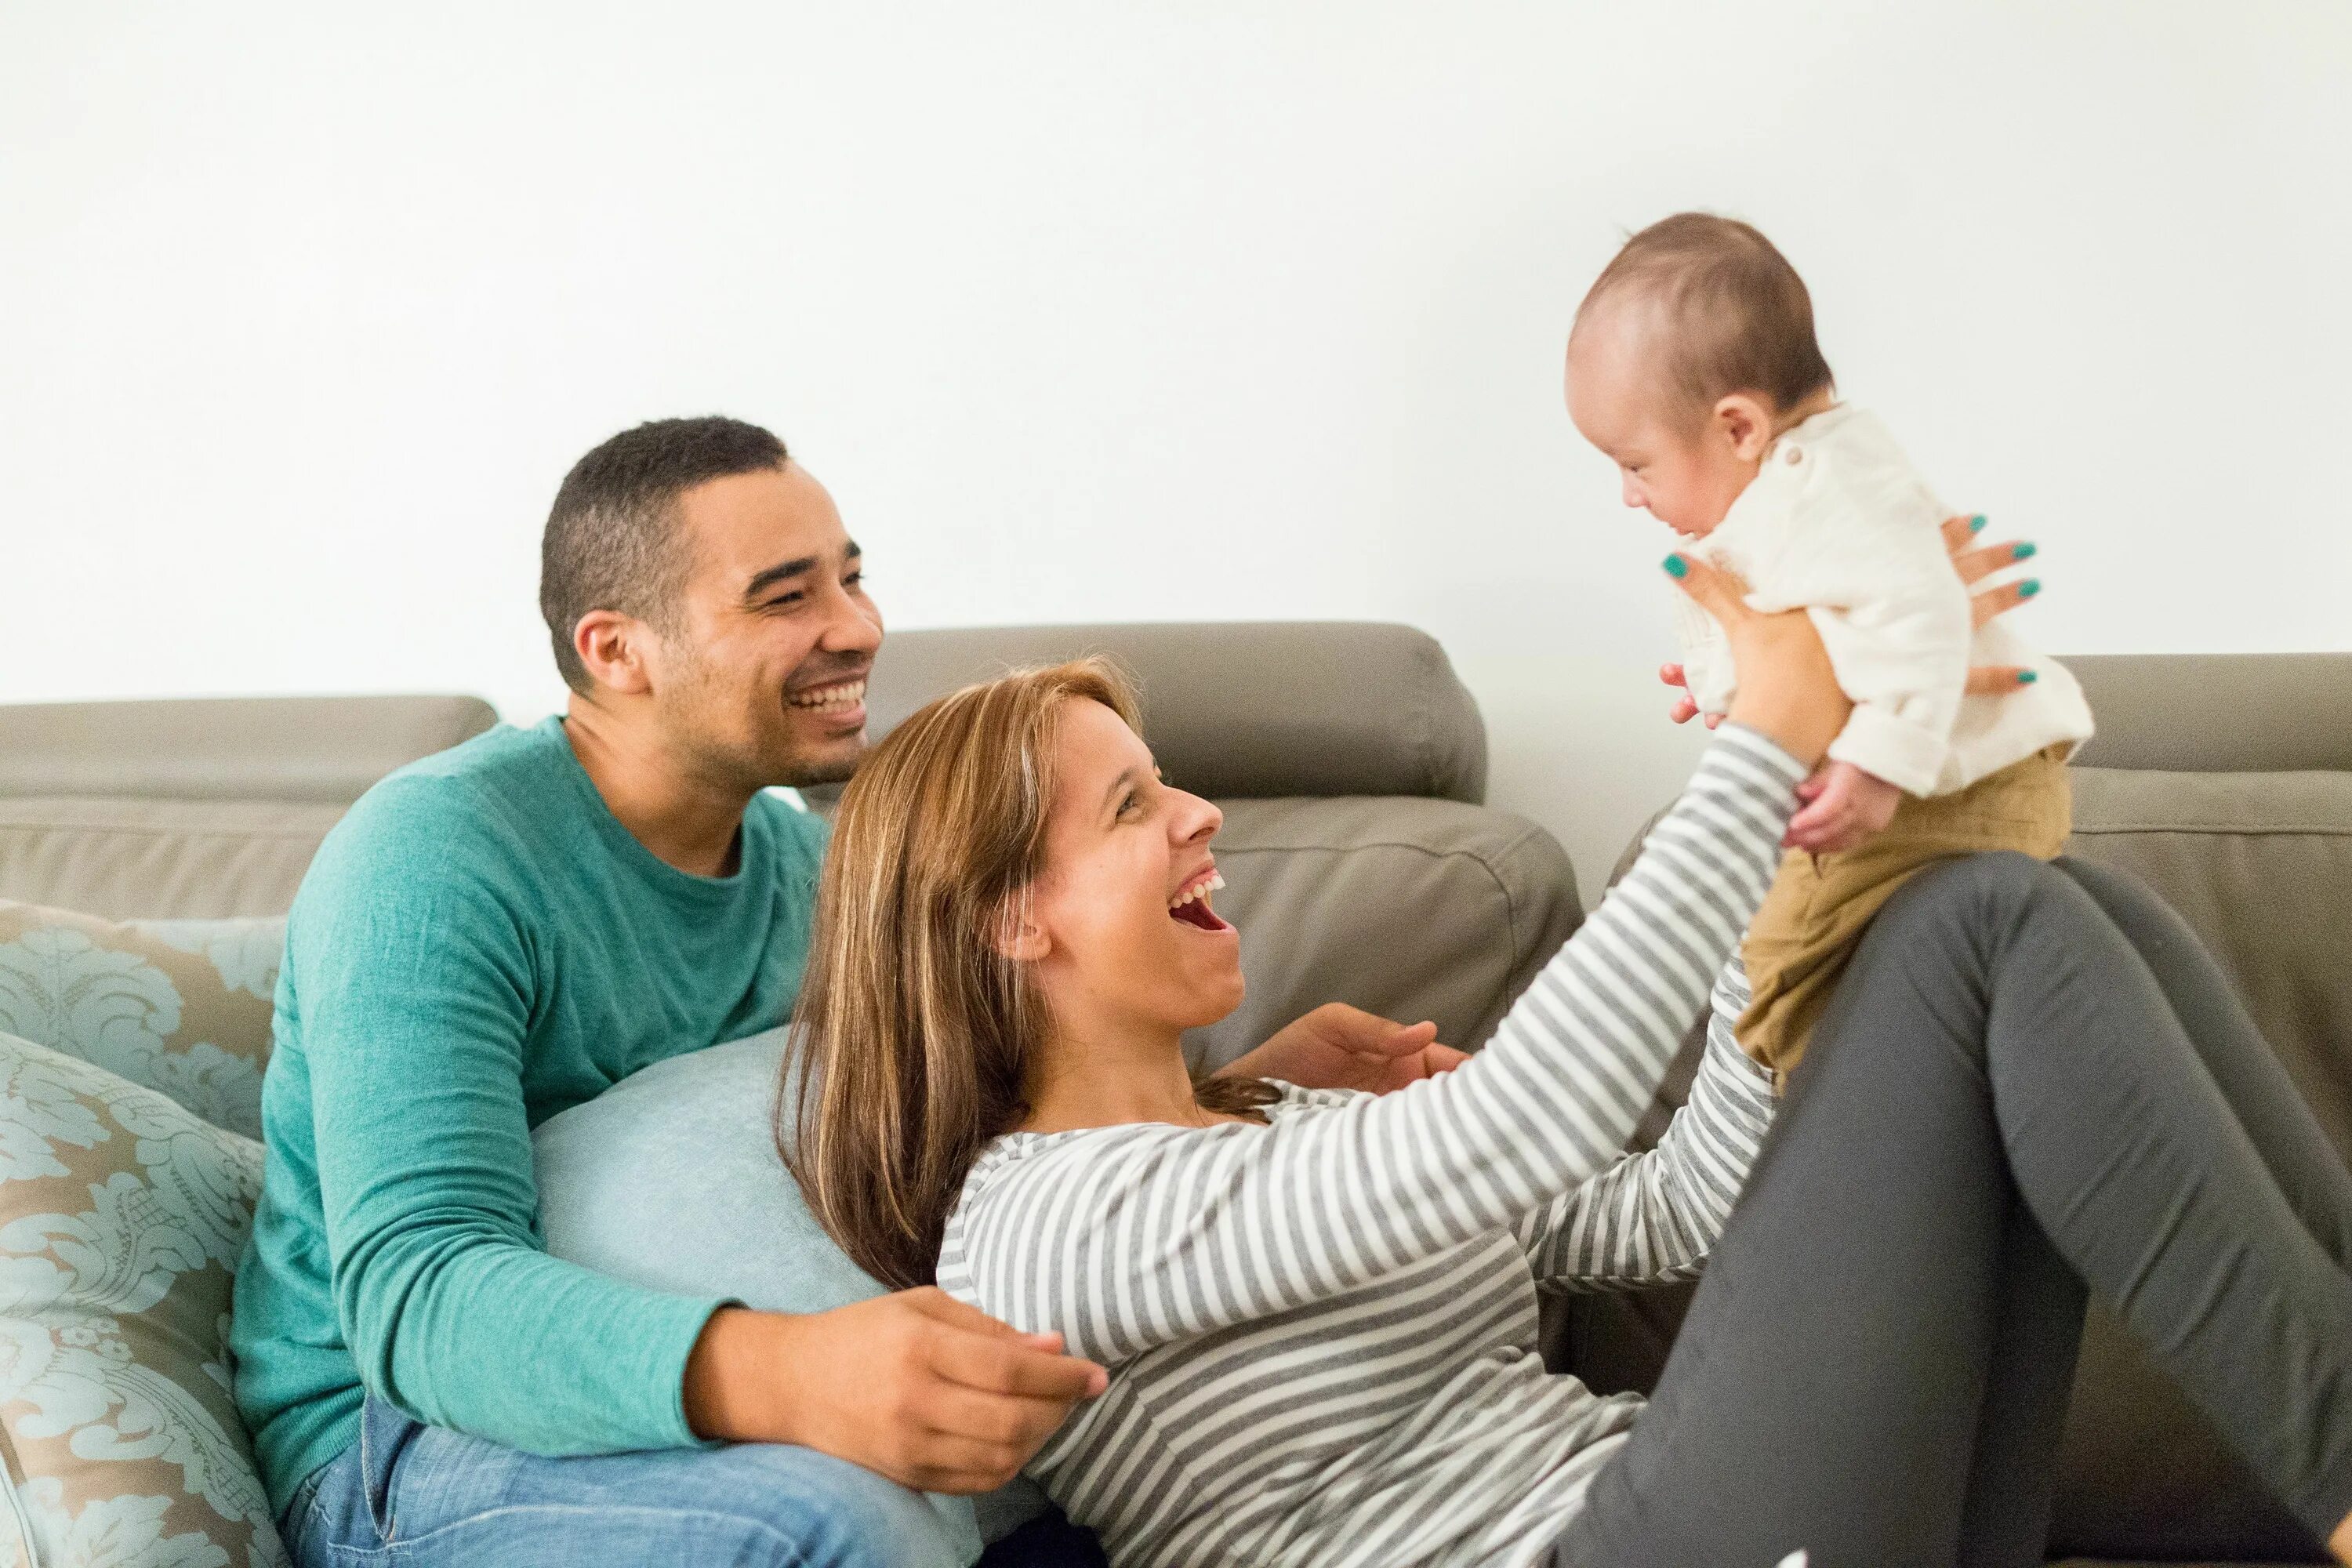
x=1191, y=906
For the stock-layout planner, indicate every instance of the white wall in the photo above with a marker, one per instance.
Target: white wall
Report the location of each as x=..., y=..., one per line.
x=1225, y=308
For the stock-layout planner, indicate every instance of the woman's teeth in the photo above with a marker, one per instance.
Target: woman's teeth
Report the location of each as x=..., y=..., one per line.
x=1200, y=890
x=825, y=699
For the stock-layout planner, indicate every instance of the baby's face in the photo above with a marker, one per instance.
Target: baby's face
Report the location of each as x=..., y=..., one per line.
x=1685, y=474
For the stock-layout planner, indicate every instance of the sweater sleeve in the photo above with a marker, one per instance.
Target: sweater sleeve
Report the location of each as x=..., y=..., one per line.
x=1895, y=620
x=1650, y=1219
x=1127, y=1237
x=414, y=979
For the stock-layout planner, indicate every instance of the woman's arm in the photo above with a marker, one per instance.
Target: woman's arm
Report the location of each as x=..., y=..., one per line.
x=1650, y=1219
x=1124, y=1238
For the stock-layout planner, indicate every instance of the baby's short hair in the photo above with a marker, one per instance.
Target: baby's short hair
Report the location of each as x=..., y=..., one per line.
x=1736, y=316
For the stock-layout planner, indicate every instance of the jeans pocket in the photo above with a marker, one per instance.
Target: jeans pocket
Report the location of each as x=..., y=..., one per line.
x=385, y=1435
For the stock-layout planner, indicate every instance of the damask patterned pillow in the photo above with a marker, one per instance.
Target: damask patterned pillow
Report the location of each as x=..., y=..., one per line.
x=181, y=1006
x=122, y=1219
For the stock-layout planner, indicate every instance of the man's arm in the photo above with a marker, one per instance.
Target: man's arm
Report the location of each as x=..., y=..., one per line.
x=417, y=998
x=915, y=1386
x=416, y=989
x=1339, y=1046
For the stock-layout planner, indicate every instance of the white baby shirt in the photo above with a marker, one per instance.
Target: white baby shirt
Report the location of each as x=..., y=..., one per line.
x=1837, y=523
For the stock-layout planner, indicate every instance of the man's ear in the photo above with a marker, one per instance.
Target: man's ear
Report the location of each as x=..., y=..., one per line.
x=1747, y=424
x=1018, y=937
x=613, y=648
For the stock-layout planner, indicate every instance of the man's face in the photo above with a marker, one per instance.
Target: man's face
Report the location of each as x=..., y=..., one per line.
x=762, y=679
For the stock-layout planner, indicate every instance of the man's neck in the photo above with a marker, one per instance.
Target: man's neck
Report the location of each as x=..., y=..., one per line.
x=682, y=820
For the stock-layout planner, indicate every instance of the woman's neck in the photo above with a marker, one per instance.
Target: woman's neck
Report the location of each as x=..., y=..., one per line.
x=1109, y=1077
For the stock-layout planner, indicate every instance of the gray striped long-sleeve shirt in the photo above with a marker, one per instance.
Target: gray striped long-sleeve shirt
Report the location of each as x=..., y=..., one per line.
x=1321, y=1331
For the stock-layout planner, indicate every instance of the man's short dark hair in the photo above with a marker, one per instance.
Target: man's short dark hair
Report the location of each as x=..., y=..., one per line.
x=612, y=539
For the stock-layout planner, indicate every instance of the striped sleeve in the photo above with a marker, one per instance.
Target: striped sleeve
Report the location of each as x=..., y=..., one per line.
x=1127, y=1237
x=1650, y=1219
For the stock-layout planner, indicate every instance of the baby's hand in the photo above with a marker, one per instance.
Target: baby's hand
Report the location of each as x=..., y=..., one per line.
x=1685, y=708
x=1843, y=807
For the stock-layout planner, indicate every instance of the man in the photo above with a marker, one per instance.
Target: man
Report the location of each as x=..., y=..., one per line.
x=506, y=929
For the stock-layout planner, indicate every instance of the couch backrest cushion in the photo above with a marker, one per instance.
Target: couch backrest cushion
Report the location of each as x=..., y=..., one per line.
x=2261, y=865
x=197, y=809
x=182, y=1007
x=128, y=857
x=1257, y=710
x=1410, y=909
x=122, y=1219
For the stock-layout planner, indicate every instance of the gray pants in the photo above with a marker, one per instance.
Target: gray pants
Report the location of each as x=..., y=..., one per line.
x=2032, y=1080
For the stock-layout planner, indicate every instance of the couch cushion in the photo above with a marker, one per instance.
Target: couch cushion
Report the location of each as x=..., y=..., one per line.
x=1410, y=909
x=122, y=1218
x=658, y=1181
x=127, y=856
x=1241, y=709
x=179, y=1007
x=320, y=748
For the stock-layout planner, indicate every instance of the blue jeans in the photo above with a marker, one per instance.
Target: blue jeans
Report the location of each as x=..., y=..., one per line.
x=412, y=1494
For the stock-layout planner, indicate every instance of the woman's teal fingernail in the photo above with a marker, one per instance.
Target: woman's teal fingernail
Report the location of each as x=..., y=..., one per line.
x=1975, y=523
x=2031, y=586
x=1677, y=567
x=2028, y=677
x=2024, y=551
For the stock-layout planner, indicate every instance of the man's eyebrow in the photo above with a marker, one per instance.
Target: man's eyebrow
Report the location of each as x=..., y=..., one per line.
x=784, y=571
x=781, y=571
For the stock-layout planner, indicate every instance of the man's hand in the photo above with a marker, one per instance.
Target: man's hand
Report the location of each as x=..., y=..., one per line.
x=1974, y=562
x=1339, y=1046
x=1843, y=807
x=914, y=1386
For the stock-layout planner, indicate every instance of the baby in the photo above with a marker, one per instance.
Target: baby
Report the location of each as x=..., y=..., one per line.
x=1692, y=366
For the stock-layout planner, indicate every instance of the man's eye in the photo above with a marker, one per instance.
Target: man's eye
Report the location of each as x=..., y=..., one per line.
x=1129, y=803
x=781, y=600
x=854, y=580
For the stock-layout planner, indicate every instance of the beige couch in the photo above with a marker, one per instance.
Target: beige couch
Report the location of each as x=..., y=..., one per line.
x=1351, y=765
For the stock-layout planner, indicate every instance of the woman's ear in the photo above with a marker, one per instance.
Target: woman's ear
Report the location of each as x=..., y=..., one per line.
x=1746, y=424
x=1017, y=936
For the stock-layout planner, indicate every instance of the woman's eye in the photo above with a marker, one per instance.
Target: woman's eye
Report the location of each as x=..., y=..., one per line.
x=1131, y=803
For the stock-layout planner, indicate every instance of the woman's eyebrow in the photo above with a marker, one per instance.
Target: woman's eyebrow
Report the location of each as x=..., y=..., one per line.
x=1126, y=777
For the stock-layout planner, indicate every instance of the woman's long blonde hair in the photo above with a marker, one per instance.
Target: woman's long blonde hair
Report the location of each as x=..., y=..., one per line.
x=914, y=1031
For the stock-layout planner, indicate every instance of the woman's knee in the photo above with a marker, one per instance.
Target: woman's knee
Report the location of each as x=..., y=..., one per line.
x=1976, y=896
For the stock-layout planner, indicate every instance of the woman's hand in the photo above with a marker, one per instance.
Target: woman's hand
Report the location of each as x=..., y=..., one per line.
x=1974, y=562
x=1787, y=692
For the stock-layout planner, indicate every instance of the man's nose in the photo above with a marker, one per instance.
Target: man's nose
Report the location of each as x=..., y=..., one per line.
x=852, y=627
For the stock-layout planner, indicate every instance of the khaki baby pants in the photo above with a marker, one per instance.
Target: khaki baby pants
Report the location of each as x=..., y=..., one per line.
x=1815, y=914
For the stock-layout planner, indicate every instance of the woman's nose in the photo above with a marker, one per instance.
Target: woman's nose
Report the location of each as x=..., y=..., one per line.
x=1196, y=820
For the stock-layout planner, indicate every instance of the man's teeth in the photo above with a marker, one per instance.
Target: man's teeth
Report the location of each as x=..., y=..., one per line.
x=1206, y=886
x=848, y=694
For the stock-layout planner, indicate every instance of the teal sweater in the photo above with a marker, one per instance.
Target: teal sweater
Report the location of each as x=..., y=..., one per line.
x=479, y=945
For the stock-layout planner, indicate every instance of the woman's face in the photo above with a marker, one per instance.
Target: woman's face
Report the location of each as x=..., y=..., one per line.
x=1122, y=932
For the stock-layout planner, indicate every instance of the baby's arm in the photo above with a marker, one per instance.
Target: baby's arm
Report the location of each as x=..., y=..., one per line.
x=1894, y=617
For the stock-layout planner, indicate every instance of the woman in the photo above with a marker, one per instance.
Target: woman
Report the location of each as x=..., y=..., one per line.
x=1319, y=1310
